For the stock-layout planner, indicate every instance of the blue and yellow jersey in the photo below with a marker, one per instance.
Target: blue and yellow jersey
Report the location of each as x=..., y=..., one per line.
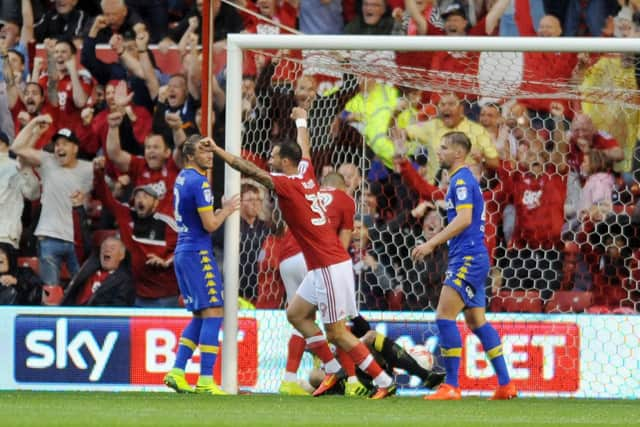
x=191, y=195
x=464, y=193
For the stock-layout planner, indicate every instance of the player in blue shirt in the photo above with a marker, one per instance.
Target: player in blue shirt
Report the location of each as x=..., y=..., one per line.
x=464, y=284
x=198, y=276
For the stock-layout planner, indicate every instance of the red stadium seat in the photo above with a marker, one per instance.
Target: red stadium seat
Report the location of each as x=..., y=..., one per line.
x=623, y=310
x=517, y=302
x=30, y=261
x=598, y=309
x=569, y=302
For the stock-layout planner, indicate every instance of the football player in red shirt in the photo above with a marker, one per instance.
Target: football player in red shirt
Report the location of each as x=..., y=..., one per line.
x=329, y=284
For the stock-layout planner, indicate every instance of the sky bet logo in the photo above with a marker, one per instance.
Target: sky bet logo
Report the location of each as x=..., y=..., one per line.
x=72, y=349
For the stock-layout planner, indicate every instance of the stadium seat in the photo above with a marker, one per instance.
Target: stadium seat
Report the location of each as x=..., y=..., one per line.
x=623, y=310
x=395, y=299
x=598, y=309
x=30, y=261
x=517, y=302
x=569, y=302
x=98, y=237
x=65, y=276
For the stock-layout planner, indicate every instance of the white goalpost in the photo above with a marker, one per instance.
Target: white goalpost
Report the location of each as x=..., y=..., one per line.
x=238, y=44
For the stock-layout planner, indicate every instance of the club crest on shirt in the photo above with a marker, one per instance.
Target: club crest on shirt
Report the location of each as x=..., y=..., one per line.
x=461, y=192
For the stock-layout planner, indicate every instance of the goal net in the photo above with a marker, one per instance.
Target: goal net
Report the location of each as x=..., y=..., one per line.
x=553, y=125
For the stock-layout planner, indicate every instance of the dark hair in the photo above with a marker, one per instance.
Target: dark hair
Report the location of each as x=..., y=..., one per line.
x=460, y=139
x=164, y=140
x=17, y=52
x=36, y=84
x=290, y=150
x=69, y=43
x=598, y=162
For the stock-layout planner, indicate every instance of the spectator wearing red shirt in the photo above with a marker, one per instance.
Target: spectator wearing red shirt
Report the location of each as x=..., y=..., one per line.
x=584, y=137
x=150, y=237
x=67, y=89
x=33, y=104
x=543, y=72
x=537, y=189
x=423, y=19
x=157, y=168
x=285, y=14
x=460, y=67
x=135, y=125
x=104, y=279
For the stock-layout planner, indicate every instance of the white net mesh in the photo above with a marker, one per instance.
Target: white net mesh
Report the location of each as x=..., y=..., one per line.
x=546, y=228
x=554, y=147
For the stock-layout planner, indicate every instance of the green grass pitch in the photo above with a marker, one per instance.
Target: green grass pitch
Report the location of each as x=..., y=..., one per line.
x=24, y=408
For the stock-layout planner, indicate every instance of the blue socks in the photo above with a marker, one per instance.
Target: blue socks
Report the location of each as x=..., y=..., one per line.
x=493, y=347
x=188, y=343
x=209, y=344
x=450, y=348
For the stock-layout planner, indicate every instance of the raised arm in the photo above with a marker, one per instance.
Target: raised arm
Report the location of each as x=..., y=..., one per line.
x=300, y=116
x=26, y=34
x=244, y=166
x=494, y=15
x=148, y=72
x=121, y=158
x=128, y=61
x=52, y=73
x=80, y=97
x=421, y=23
x=23, y=144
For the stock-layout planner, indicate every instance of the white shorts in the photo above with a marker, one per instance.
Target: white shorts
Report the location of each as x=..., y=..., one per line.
x=292, y=272
x=332, y=290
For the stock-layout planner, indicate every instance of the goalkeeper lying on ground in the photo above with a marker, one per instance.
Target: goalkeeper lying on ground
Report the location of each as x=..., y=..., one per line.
x=388, y=354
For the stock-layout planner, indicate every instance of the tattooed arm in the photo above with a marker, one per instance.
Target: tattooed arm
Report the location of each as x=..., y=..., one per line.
x=244, y=166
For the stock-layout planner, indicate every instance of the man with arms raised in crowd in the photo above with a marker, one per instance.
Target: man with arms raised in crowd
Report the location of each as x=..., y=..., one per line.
x=467, y=271
x=329, y=284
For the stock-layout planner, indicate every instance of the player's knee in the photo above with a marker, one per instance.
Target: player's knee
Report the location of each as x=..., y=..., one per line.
x=294, y=317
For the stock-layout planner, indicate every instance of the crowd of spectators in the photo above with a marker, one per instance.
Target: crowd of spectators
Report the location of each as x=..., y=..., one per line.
x=90, y=147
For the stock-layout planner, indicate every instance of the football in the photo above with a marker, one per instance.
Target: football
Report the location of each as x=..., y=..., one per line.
x=422, y=356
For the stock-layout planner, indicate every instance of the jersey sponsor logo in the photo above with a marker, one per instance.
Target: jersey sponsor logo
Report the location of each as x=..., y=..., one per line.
x=157, y=343
x=71, y=349
x=461, y=192
x=531, y=199
x=309, y=184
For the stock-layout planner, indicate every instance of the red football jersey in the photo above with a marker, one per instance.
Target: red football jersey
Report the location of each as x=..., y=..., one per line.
x=162, y=180
x=341, y=210
x=66, y=107
x=302, y=210
x=289, y=246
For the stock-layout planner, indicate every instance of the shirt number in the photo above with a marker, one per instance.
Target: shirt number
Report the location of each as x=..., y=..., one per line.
x=318, y=208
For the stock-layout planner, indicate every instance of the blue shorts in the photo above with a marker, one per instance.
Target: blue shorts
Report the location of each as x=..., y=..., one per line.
x=468, y=276
x=199, y=279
